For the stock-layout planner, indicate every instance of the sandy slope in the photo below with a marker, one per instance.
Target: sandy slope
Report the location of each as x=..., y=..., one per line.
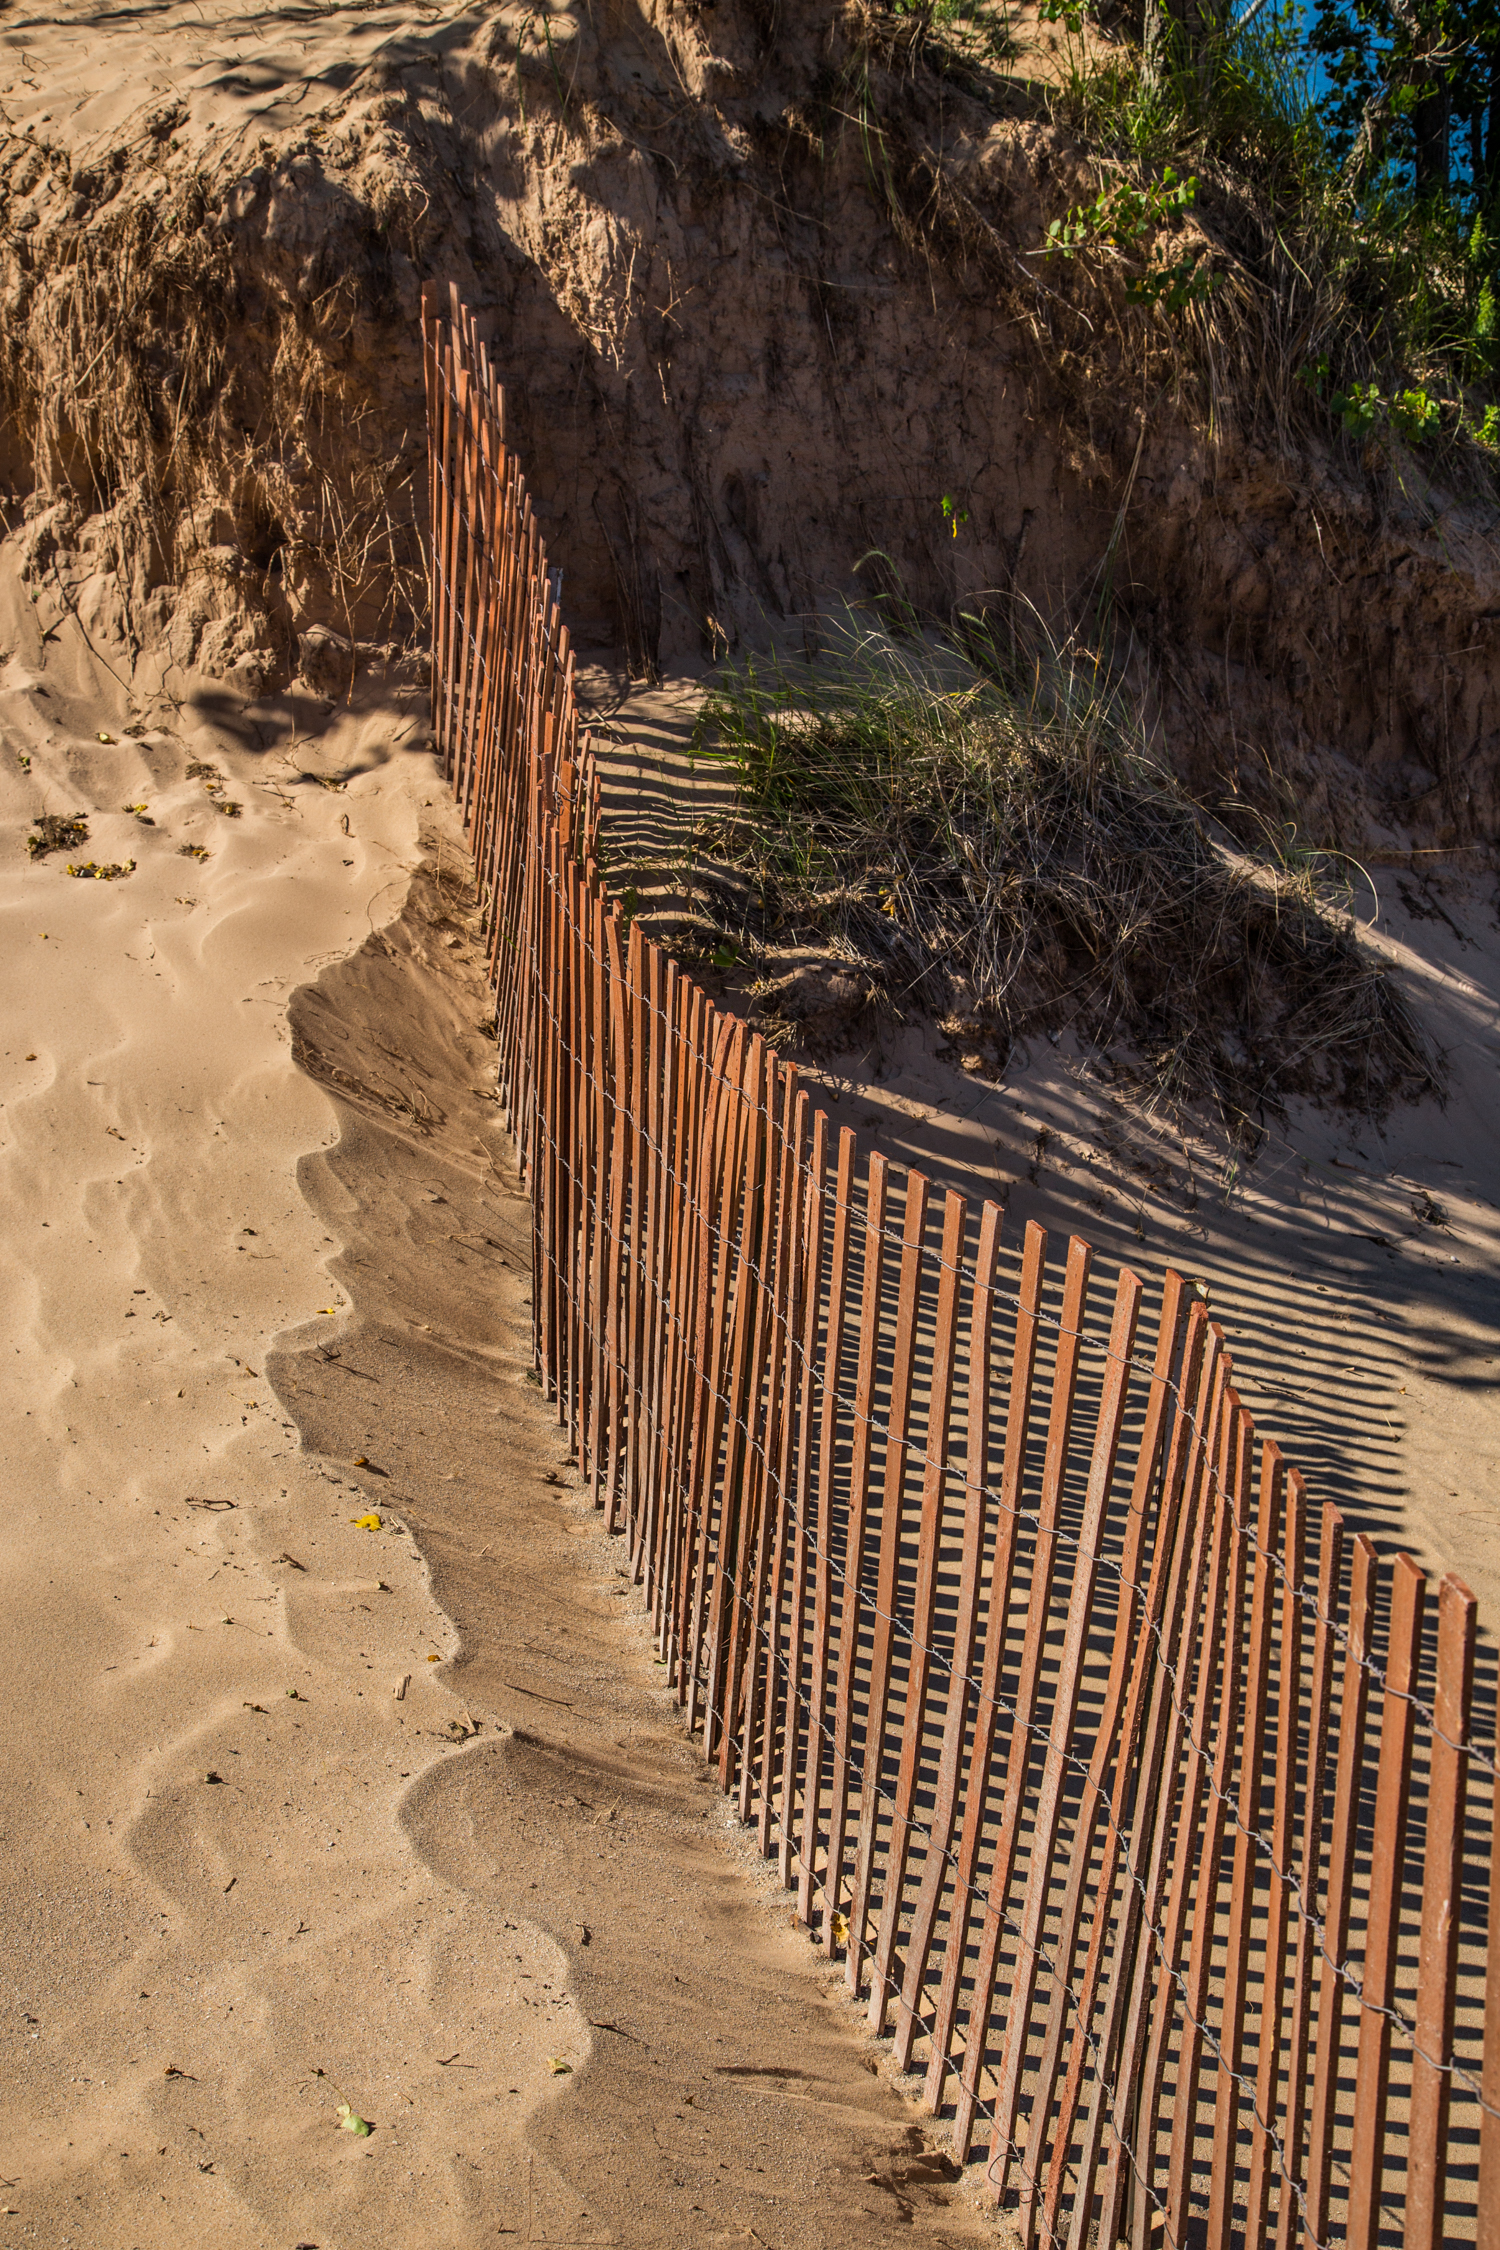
x=725, y=2097
x=1366, y=1337
x=204, y=1877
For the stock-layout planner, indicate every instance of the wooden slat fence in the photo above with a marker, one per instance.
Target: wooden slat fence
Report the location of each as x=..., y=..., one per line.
x=1135, y=1793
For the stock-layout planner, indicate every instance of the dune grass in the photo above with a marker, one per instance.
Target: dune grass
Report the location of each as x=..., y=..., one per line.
x=1340, y=296
x=1265, y=283
x=981, y=827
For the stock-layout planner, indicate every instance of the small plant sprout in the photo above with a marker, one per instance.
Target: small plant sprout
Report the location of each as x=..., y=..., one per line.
x=1183, y=281
x=349, y=2119
x=953, y=514
x=1120, y=219
x=1416, y=414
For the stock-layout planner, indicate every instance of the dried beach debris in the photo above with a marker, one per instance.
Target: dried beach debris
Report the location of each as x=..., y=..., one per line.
x=101, y=870
x=193, y=851
x=215, y=783
x=57, y=832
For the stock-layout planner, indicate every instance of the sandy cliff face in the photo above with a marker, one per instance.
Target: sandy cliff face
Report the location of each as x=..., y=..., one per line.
x=761, y=286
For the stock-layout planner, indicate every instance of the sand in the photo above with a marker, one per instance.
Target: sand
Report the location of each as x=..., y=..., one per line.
x=190, y=1717
x=339, y=1768
x=298, y=1811
x=251, y=1304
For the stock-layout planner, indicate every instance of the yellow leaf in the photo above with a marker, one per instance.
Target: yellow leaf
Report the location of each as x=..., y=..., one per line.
x=366, y=1523
x=841, y=1929
x=558, y=2067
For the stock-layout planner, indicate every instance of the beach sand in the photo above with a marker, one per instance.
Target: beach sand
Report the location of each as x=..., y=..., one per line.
x=339, y=1770
x=300, y=1811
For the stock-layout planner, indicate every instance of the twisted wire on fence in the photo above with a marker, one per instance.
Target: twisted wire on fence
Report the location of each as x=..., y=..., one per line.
x=1139, y=1792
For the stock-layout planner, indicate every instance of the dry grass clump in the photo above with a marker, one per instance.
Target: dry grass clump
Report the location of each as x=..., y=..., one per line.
x=102, y=870
x=57, y=832
x=986, y=835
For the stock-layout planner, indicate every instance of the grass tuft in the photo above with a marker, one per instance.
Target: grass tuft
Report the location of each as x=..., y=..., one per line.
x=983, y=833
x=57, y=832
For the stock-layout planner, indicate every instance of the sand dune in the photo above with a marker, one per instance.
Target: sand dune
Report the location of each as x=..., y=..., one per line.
x=244, y=1881
x=249, y=1303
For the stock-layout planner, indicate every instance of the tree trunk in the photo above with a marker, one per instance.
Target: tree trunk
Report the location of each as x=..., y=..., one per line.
x=1369, y=142
x=1430, y=131
x=1156, y=40
x=1181, y=31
